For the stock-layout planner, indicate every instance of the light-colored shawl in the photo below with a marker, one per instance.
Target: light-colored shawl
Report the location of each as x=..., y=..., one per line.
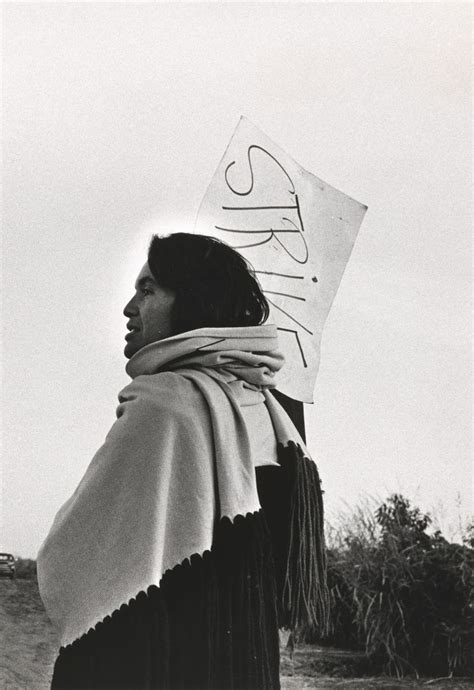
x=181, y=454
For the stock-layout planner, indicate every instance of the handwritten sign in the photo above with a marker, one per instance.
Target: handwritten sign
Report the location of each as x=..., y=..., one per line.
x=296, y=231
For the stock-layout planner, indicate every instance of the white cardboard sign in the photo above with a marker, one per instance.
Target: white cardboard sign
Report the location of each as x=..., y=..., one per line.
x=296, y=231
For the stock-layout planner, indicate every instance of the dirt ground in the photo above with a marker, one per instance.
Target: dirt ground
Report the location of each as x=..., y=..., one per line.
x=305, y=671
x=28, y=647
x=27, y=641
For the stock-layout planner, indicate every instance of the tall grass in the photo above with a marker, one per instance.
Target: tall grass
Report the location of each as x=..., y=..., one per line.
x=402, y=595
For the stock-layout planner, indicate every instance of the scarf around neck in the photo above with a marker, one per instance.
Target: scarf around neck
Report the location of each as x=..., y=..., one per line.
x=177, y=459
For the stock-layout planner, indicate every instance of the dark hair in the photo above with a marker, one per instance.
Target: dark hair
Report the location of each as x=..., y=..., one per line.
x=213, y=283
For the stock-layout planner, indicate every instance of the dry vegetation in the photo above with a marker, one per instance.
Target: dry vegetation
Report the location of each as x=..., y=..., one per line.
x=402, y=595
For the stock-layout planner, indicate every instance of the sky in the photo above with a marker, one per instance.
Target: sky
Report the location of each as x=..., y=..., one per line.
x=115, y=116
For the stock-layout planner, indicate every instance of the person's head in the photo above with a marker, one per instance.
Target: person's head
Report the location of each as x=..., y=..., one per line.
x=189, y=282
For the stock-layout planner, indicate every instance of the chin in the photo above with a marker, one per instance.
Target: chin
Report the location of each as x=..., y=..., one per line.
x=129, y=350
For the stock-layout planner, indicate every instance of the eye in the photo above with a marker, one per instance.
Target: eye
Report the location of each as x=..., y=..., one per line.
x=146, y=291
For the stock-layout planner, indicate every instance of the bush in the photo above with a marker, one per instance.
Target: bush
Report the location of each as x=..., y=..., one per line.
x=25, y=568
x=403, y=595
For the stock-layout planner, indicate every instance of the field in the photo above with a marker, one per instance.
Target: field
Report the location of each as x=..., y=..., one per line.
x=27, y=639
x=28, y=648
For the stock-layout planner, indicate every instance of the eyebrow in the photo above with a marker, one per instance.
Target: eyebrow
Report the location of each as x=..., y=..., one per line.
x=145, y=281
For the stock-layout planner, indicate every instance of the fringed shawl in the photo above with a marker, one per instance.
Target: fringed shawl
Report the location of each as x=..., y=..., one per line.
x=180, y=457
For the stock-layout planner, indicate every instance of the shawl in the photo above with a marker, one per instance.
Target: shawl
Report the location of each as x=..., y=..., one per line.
x=192, y=426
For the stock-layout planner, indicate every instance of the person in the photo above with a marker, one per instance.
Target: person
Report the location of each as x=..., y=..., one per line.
x=197, y=529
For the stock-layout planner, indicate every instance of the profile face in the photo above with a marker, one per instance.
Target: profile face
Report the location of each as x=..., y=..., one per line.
x=148, y=313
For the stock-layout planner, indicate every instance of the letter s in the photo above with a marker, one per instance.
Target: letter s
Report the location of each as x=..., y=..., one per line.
x=249, y=150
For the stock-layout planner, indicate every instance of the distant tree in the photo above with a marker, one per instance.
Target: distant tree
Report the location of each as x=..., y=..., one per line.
x=398, y=520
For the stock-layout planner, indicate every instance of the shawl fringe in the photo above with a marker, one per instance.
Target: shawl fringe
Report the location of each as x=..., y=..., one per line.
x=293, y=503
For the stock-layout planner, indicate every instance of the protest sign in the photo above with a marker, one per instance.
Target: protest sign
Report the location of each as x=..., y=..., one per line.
x=296, y=231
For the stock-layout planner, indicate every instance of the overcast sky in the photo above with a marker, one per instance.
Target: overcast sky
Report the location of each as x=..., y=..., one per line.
x=115, y=117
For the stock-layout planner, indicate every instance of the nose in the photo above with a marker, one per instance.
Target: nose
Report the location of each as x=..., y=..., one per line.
x=130, y=309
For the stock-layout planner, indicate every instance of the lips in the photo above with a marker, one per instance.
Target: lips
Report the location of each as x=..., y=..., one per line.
x=133, y=330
